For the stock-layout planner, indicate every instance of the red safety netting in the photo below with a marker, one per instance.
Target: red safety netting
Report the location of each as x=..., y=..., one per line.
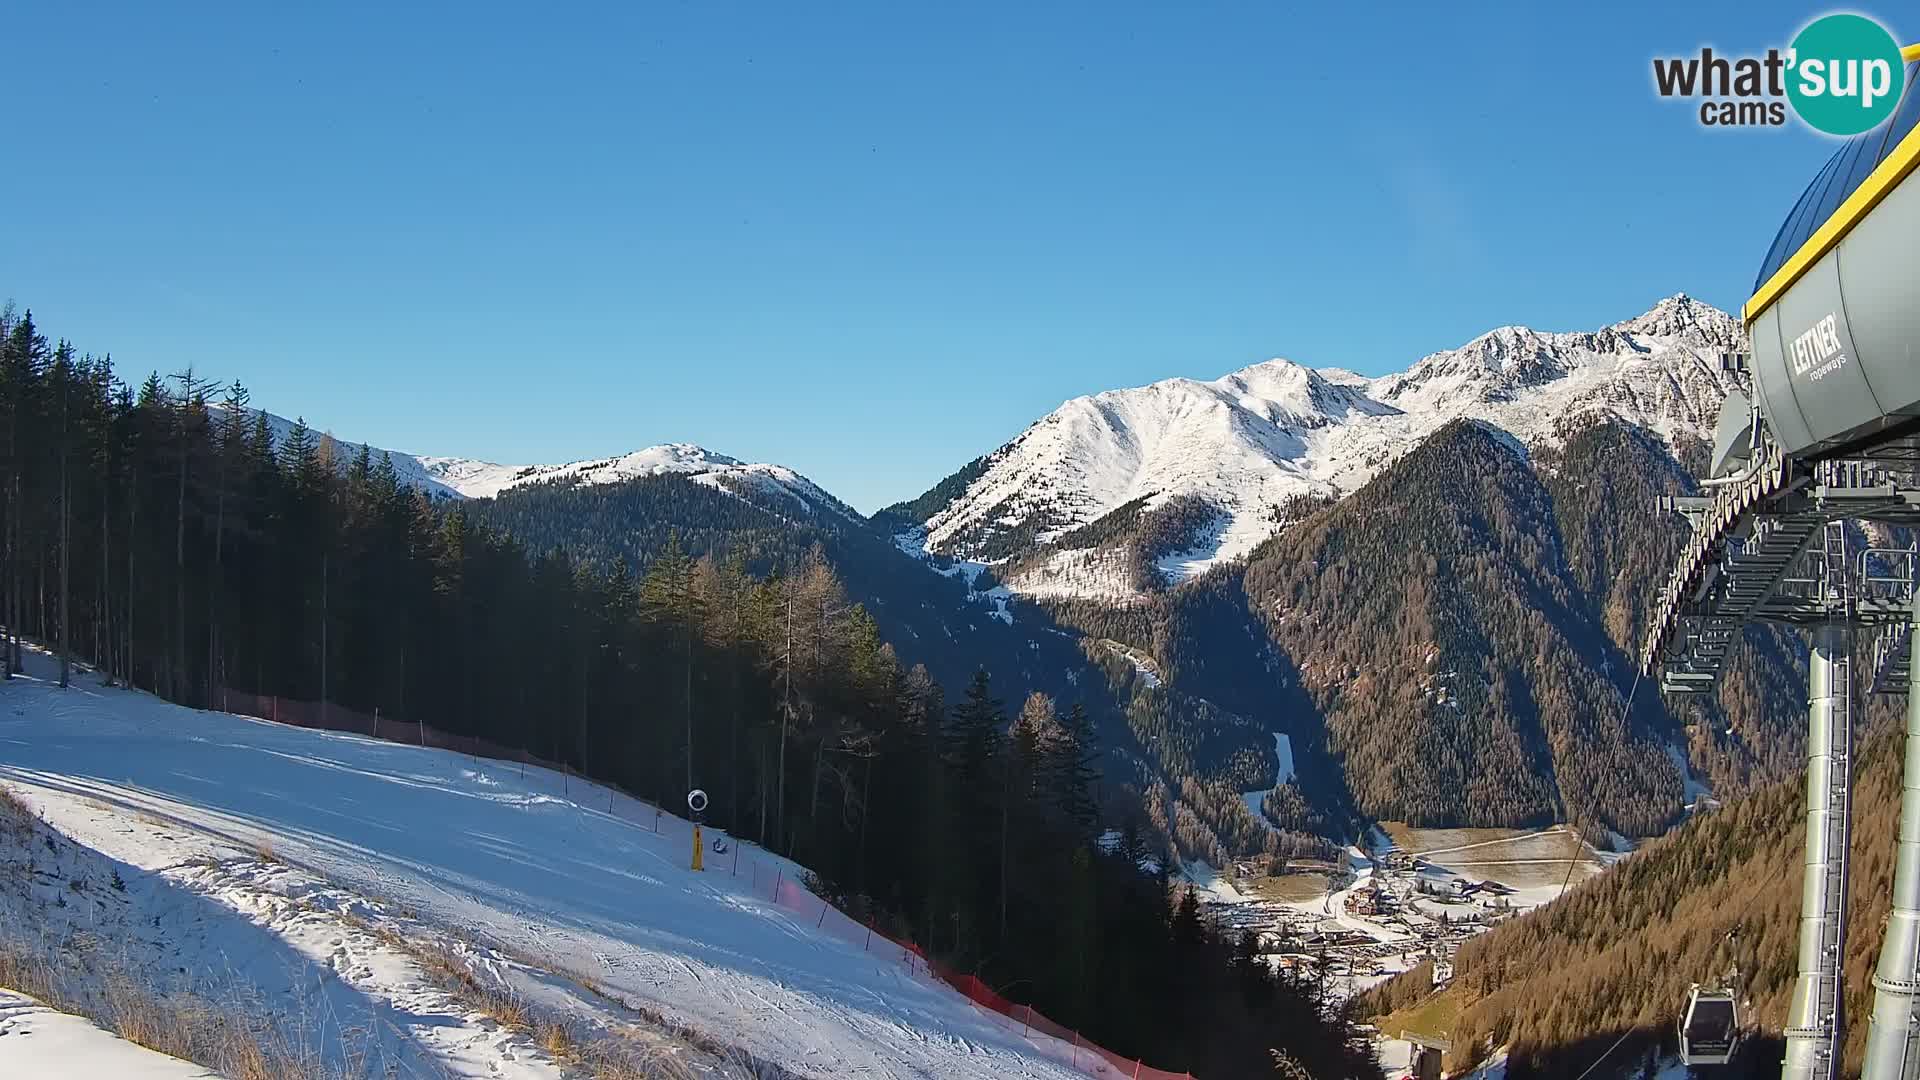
x=324, y=716
x=1051, y=1040
x=1055, y=1041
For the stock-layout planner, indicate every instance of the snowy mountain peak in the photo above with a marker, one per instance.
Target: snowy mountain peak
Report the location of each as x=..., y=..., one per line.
x=1248, y=441
x=1682, y=317
x=1287, y=393
x=470, y=478
x=775, y=484
x=482, y=479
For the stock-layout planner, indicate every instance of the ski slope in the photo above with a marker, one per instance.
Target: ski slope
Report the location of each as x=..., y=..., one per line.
x=559, y=874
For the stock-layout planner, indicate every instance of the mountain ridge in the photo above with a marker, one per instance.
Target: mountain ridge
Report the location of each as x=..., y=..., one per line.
x=1075, y=596
x=1237, y=450
x=472, y=478
x=1255, y=438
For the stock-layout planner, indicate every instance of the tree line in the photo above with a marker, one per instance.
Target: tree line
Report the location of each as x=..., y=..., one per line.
x=166, y=537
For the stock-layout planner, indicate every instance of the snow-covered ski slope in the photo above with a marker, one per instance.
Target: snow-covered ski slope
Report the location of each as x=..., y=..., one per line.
x=559, y=872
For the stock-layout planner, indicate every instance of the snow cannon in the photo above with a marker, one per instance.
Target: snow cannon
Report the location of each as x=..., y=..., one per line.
x=697, y=802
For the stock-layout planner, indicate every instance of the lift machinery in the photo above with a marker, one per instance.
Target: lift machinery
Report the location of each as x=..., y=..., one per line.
x=1827, y=445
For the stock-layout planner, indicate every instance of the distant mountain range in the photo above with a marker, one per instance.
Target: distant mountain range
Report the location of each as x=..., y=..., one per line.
x=1429, y=581
x=1238, y=450
x=471, y=478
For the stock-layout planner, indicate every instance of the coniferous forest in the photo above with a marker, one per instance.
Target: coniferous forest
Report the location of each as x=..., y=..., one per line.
x=157, y=535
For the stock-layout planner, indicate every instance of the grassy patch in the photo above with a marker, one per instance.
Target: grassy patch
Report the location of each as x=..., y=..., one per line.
x=1436, y=1015
x=1292, y=887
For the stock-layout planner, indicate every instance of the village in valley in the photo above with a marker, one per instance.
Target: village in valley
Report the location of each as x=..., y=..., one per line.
x=1411, y=896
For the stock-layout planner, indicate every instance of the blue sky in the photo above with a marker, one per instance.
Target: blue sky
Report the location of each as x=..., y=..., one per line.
x=870, y=241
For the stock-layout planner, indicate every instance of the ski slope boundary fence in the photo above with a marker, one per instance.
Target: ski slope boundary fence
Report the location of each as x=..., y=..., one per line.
x=1054, y=1041
x=324, y=716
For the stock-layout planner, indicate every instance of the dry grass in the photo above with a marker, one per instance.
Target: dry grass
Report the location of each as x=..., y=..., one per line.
x=449, y=972
x=80, y=977
x=15, y=815
x=557, y=1039
x=176, y=1023
x=633, y=1053
x=31, y=975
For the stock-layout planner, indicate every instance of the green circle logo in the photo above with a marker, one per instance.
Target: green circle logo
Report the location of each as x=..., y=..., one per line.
x=1845, y=74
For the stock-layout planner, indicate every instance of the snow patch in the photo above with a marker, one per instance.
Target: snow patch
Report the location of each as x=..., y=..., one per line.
x=38, y=1041
x=999, y=599
x=1091, y=573
x=1283, y=750
x=1208, y=882
x=1692, y=790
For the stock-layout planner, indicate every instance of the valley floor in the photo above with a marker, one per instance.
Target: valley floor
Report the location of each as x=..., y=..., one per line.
x=1323, y=914
x=333, y=877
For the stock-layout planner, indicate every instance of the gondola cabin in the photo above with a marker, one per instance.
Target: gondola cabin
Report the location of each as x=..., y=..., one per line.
x=1710, y=1028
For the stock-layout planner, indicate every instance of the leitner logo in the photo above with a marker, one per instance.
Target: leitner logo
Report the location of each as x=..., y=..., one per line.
x=1842, y=75
x=1818, y=346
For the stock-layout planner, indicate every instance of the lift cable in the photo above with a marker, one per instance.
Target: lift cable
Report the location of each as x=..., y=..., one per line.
x=1626, y=710
x=1603, y=1057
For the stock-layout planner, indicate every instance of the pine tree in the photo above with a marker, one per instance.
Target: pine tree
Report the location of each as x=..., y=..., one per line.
x=669, y=601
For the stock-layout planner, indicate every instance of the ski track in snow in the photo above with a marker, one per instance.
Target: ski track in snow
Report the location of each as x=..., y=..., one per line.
x=536, y=865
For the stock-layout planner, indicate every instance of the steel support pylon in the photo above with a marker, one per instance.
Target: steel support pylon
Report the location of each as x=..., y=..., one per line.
x=1816, y=1024
x=1893, y=1039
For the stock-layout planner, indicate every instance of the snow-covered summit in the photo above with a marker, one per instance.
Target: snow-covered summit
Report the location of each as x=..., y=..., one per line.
x=471, y=478
x=1289, y=394
x=480, y=479
x=784, y=487
x=1248, y=440
x=1682, y=317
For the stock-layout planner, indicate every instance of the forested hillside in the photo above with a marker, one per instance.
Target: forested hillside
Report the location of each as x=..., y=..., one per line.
x=167, y=541
x=1604, y=480
x=1459, y=637
x=1452, y=628
x=1457, y=664
x=1617, y=954
x=1176, y=760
